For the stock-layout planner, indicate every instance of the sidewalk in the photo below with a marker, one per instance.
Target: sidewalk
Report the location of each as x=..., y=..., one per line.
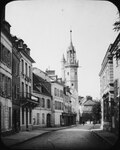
x=27, y=135
x=107, y=136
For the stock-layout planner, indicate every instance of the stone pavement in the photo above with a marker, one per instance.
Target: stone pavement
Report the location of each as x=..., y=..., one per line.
x=27, y=135
x=107, y=136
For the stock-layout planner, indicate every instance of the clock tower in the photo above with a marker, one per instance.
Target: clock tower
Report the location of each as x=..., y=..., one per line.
x=70, y=67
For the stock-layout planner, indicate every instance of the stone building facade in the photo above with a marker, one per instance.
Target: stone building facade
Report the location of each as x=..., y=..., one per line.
x=5, y=79
x=26, y=99
x=43, y=112
x=15, y=87
x=106, y=90
x=115, y=50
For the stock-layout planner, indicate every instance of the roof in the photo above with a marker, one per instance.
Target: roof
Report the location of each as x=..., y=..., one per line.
x=89, y=103
x=26, y=55
x=39, y=82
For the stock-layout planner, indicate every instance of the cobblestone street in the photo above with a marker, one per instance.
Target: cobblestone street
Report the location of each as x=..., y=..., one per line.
x=79, y=137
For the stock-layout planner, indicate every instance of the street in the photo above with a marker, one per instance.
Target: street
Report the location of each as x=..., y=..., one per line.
x=79, y=137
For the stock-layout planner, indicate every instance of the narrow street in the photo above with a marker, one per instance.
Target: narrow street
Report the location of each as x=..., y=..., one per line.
x=79, y=137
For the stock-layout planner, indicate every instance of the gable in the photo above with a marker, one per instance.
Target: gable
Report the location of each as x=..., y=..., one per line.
x=89, y=103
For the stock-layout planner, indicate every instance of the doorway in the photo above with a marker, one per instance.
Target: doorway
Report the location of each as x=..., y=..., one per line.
x=48, y=120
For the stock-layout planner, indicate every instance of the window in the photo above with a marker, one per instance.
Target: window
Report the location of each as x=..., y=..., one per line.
x=58, y=105
x=29, y=72
x=61, y=93
x=3, y=83
x=38, y=116
x=22, y=115
x=9, y=87
x=30, y=116
x=57, y=94
x=43, y=102
x=6, y=56
x=22, y=66
x=68, y=73
x=1, y=88
x=9, y=117
x=48, y=103
x=18, y=92
x=26, y=68
x=29, y=91
x=15, y=91
x=43, y=118
x=26, y=90
x=22, y=89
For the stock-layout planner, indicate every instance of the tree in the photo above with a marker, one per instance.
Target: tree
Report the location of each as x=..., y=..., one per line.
x=96, y=112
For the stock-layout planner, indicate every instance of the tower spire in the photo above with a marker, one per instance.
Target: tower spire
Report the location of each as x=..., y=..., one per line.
x=71, y=36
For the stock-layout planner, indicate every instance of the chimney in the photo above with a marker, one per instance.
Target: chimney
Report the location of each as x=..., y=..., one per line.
x=15, y=41
x=28, y=51
x=6, y=26
x=20, y=43
x=24, y=47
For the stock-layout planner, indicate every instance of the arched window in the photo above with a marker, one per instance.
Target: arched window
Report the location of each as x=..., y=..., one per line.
x=43, y=102
x=48, y=103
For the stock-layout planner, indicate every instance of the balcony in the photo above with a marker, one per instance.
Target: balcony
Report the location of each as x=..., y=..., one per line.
x=27, y=99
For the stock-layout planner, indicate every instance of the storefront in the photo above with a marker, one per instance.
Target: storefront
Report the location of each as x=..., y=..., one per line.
x=68, y=119
x=26, y=106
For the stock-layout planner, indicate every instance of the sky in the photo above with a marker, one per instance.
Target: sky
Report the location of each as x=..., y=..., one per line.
x=45, y=26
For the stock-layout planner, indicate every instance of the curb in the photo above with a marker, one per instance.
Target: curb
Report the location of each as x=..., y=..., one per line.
x=39, y=135
x=102, y=138
x=29, y=139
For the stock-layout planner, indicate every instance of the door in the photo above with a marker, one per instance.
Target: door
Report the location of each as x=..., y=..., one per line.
x=26, y=118
x=48, y=120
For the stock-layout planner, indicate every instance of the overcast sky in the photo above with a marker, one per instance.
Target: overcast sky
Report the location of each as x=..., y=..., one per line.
x=45, y=25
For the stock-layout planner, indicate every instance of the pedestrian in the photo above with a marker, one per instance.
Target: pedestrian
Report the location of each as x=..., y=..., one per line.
x=83, y=122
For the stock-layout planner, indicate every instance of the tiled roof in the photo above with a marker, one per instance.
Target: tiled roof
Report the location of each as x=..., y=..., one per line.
x=46, y=86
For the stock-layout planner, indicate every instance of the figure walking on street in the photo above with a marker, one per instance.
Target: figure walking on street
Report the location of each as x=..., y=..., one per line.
x=83, y=122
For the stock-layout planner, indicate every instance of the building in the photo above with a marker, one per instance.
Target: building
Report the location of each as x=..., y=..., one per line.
x=70, y=67
x=115, y=50
x=43, y=112
x=5, y=79
x=68, y=115
x=86, y=105
x=57, y=87
x=15, y=87
x=106, y=90
x=70, y=76
x=81, y=100
x=27, y=100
